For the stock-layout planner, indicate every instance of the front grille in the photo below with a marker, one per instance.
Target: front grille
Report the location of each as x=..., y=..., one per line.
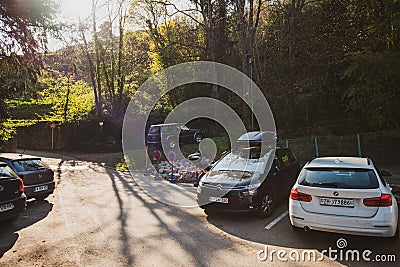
x=222, y=187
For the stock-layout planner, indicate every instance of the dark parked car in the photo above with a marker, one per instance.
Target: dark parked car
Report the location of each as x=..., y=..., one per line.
x=36, y=174
x=12, y=197
x=241, y=180
x=171, y=133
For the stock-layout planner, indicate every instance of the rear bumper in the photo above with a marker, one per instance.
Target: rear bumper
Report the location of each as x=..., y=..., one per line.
x=30, y=189
x=19, y=207
x=383, y=224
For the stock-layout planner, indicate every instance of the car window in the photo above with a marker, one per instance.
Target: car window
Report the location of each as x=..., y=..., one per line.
x=6, y=172
x=339, y=178
x=154, y=130
x=380, y=175
x=28, y=165
x=166, y=129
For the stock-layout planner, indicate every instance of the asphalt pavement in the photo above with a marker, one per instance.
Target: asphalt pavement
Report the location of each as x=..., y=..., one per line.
x=99, y=216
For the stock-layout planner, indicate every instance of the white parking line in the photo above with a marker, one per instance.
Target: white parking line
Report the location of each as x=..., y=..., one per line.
x=274, y=222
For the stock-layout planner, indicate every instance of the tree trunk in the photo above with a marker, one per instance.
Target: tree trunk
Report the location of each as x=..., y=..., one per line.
x=99, y=108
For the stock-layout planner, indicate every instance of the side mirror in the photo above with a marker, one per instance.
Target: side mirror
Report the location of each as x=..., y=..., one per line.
x=386, y=173
x=195, y=157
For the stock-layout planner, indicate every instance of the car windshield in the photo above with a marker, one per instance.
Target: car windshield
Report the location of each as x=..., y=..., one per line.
x=28, y=165
x=244, y=160
x=339, y=178
x=6, y=172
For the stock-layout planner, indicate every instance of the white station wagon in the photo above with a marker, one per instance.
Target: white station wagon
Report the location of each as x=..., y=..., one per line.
x=344, y=195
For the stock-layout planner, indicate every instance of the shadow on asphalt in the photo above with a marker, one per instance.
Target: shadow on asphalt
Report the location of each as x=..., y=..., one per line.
x=188, y=236
x=35, y=212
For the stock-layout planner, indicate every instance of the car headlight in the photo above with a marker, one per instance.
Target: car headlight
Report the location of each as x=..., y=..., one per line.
x=251, y=190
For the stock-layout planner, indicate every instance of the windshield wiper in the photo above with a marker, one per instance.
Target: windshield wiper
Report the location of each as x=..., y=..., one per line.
x=332, y=184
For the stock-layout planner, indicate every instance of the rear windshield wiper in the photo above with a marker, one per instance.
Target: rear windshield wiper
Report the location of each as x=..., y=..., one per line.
x=332, y=184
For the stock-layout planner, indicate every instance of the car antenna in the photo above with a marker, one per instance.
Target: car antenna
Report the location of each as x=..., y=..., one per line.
x=22, y=154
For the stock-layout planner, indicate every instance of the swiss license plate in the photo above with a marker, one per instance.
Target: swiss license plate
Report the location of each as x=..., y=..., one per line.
x=338, y=202
x=40, y=188
x=5, y=207
x=219, y=199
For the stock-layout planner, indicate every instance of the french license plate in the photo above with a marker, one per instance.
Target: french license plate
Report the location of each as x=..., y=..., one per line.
x=338, y=202
x=40, y=188
x=5, y=207
x=219, y=199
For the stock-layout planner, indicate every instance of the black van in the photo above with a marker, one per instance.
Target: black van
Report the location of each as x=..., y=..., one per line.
x=242, y=180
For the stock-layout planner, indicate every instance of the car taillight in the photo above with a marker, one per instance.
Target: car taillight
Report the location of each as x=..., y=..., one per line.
x=296, y=195
x=21, y=185
x=384, y=200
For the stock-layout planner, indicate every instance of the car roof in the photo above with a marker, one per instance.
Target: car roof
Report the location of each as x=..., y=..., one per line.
x=166, y=124
x=340, y=162
x=17, y=158
x=257, y=136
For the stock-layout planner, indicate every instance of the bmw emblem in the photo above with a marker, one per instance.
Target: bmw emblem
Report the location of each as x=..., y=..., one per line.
x=335, y=194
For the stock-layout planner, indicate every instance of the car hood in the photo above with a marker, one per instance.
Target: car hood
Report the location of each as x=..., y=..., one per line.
x=231, y=178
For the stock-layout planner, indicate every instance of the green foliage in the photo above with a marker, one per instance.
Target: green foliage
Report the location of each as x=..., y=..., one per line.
x=123, y=166
x=24, y=27
x=56, y=92
x=374, y=92
x=52, y=98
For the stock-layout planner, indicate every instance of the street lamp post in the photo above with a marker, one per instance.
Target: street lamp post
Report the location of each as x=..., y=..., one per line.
x=101, y=124
x=250, y=58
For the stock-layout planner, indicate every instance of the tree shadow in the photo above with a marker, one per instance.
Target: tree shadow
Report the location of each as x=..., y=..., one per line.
x=188, y=234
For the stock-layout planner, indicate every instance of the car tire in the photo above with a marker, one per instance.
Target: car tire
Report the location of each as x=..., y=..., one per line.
x=198, y=138
x=266, y=205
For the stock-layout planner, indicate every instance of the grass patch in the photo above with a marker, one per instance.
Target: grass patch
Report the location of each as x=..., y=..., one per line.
x=29, y=110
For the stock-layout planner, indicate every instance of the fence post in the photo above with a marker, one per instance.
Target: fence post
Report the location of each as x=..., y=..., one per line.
x=287, y=143
x=359, y=145
x=316, y=146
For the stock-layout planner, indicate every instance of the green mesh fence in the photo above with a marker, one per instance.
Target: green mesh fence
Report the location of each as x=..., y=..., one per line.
x=382, y=147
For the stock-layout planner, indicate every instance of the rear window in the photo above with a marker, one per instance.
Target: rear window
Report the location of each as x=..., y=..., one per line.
x=339, y=178
x=6, y=172
x=28, y=165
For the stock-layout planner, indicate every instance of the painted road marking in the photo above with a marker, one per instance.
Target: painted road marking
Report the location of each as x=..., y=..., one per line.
x=274, y=222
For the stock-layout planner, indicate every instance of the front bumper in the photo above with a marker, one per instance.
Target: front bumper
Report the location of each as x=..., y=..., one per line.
x=30, y=189
x=19, y=207
x=236, y=201
x=383, y=224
